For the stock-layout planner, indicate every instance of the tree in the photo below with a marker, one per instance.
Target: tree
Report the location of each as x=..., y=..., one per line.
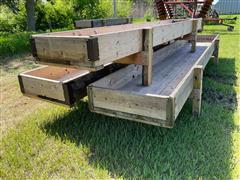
x=30, y=11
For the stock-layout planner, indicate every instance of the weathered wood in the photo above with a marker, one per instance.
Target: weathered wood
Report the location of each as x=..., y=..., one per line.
x=136, y=58
x=185, y=86
x=152, y=106
x=170, y=114
x=60, y=85
x=101, y=22
x=110, y=43
x=132, y=72
x=197, y=90
x=168, y=32
x=194, y=35
x=172, y=83
x=118, y=45
x=147, y=57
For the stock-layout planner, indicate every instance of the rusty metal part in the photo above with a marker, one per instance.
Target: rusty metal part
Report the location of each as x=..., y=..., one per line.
x=162, y=12
x=205, y=8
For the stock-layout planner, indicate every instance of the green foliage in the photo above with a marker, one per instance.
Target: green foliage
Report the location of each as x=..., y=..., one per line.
x=54, y=14
x=100, y=9
x=148, y=16
x=14, y=43
x=57, y=14
x=10, y=22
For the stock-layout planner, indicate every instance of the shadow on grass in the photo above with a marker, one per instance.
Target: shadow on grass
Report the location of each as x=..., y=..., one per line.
x=195, y=147
x=218, y=83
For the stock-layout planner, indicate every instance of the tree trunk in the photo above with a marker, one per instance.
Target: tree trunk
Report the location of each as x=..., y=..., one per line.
x=30, y=9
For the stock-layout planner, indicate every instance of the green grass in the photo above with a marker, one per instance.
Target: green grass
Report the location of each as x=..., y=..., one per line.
x=57, y=142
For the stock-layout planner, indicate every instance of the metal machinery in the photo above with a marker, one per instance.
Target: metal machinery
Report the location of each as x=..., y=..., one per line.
x=173, y=9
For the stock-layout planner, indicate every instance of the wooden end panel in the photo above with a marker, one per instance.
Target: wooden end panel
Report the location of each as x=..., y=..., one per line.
x=39, y=87
x=114, y=46
x=148, y=106
x=61, y=49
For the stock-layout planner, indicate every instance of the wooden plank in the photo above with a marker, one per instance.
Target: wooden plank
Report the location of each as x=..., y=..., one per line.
x=168, y=32
x=118, y=45
x=101, y=22
x=83, y=24
x=62, y=49
x=147, y=57
x=132, y=117
x=197, y=90
x=119, y=78
x=150, y=106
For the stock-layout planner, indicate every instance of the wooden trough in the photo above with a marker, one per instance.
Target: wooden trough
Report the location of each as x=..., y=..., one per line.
x=95, y=47
x=59, y=84
x=177, y=74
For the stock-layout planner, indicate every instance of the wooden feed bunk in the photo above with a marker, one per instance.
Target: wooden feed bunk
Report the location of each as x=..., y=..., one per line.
x=141, y=72
x=173, y=9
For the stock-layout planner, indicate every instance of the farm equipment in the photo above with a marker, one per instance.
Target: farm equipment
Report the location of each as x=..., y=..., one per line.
x=141, y=72
x=173, y=9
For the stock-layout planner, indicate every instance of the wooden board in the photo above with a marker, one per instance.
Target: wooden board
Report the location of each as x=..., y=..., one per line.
x=95, y=47
x=172, y=84
x=101, y=22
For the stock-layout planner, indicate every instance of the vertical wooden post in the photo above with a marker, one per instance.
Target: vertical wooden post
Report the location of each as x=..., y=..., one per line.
x=216, y=50
x=194, y=34
x=147, y=56
x=197, y=90
x=170, y=112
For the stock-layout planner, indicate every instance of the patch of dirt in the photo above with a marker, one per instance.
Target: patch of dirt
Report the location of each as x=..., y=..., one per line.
x=229, y=101
x=225, y=79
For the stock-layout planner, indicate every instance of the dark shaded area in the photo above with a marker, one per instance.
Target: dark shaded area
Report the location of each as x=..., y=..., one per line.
x=228, y=98
x=228, y=101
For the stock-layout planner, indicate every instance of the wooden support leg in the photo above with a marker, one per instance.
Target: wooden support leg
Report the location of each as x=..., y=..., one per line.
x=147, y=56
x=215, y=53
x=197, y=90
x=194, y=35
